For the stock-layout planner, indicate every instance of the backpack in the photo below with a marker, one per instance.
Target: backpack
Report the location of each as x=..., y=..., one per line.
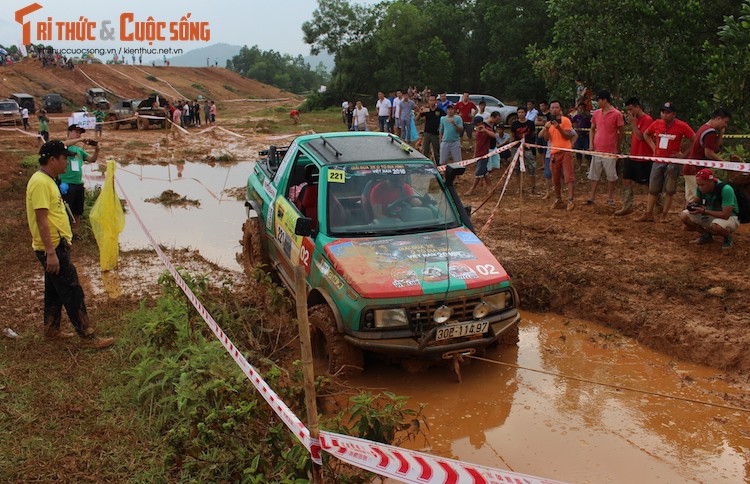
x=743, y=202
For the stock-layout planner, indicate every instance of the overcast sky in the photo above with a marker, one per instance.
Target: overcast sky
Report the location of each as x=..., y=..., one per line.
x=270, y=24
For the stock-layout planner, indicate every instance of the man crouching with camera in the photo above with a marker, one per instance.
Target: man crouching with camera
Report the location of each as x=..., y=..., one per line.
x=713, y=210
x=73, y=176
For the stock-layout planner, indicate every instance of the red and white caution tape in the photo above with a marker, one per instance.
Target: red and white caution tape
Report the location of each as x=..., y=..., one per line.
x=386, y=460
x=441, y=168
x=417, y=467
x=285, y=414
x=519, y=156
x=722, y=165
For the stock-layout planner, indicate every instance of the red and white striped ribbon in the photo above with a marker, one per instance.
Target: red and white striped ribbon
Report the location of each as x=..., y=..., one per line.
x=441, y=168
x=722, y=165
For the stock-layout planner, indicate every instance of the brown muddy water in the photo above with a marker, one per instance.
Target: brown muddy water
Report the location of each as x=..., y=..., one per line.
x=214, y=229
x=499, y=415
x=558, y=428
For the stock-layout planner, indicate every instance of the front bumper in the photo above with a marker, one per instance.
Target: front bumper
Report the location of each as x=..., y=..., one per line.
x=427, y=348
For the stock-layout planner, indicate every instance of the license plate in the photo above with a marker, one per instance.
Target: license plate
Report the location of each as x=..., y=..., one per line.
x=461, y=329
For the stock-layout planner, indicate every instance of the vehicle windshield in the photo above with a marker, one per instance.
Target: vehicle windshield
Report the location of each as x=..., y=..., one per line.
x=387, y=199
x=6, y=106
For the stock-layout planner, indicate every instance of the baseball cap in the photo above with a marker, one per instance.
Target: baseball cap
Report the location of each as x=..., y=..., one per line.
x=75, y=126
x=54, y=148
x=705, y=175
x=478, y=120
x=668, y=106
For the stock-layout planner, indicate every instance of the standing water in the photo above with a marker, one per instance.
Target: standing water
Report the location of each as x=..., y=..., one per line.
x=550, y=426
x=214, y=229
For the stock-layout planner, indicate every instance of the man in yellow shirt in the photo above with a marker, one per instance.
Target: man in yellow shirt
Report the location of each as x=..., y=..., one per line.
x=51, y=238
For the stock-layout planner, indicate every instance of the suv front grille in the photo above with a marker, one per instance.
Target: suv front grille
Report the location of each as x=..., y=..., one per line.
x=420, y=315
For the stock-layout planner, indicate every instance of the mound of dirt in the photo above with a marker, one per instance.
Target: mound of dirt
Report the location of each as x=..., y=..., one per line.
x=133, y=82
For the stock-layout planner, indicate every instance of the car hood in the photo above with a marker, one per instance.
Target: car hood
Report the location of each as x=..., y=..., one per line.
x=416, y=264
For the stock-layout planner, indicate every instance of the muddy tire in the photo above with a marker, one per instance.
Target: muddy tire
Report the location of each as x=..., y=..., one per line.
x=112, y=119
x=142, y=123
x=254, y=254
x=510, y=337
x=330, y=349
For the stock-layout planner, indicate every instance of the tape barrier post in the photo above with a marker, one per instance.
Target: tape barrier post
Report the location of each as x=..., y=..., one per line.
x=386, y=460
x=511, y=167
x=308, y=373
x=278, y=406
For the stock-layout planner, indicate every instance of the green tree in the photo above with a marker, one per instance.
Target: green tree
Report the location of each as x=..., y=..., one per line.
x=435, y=65
x=728, y=65
x=280, y=70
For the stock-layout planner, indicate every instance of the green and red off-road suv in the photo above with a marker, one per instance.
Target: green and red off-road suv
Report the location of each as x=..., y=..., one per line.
x=392, y=264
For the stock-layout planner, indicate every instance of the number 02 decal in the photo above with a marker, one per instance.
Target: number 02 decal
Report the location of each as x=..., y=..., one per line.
x=486, y=269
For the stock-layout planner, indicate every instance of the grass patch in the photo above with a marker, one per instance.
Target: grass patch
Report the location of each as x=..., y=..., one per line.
x=199, y=87
x=30, y=162
x=136, y=144
x=229, y=88
x=151, y=78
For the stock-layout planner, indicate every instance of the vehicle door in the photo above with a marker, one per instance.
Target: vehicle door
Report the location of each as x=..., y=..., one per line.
x=294, y=191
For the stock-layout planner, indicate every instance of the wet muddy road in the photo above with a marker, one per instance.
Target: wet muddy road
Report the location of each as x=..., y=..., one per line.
x=500, y=415
x=575, y=431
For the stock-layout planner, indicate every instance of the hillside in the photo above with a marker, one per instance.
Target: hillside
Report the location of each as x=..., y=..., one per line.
x=220, y=53
x=132, y=82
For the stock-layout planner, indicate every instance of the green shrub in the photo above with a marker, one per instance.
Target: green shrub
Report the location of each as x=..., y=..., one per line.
x=151, y=78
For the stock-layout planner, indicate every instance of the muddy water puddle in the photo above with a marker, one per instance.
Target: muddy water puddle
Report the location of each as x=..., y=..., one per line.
x=214, y=228
x=572, y=430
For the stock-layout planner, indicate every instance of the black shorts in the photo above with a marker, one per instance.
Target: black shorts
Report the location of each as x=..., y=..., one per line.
x=637, y=171
x=74, y=198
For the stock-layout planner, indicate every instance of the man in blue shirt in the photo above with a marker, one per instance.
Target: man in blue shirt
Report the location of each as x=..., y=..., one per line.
x=443, y=103
x=451, y=128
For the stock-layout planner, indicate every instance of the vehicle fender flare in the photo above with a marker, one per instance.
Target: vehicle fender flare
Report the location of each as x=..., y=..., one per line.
x=320, y=296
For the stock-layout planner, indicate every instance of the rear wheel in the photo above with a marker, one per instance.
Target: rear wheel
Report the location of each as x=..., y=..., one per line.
x=330, y=349
x=142, y=123
x=254, y=254
x=511, y=119
x=113, y=119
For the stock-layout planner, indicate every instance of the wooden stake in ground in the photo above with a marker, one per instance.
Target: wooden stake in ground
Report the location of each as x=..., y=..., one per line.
x=308, y=373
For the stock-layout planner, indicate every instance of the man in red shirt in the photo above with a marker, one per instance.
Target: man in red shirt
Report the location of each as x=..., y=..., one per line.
x=481, y=148
x=607, y=133
x=559, y=133
x=467, y=109
x=387, y=191
x=665, y=137
x=635, y=170
x=706, y=143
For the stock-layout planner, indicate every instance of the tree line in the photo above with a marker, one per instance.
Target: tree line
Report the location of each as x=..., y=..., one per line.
x=284, y=71
x=695, y=54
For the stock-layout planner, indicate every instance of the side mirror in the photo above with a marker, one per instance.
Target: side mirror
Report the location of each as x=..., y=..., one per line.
x=303, y=227
x=451, y=172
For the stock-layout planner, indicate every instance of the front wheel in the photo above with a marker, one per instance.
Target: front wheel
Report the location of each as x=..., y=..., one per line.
x=254, y=254
x=330, y=349
x=511, y=119
x=510, y=336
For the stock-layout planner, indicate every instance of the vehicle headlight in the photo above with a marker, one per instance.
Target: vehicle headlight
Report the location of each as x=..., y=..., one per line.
x=391, y=318
x=481, y=310
x=498, y=302
x=442, y=314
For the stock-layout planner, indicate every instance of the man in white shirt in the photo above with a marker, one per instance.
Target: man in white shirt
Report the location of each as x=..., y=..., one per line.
x=396, y=112
x=25, y=117
x=383, y=107
x=360, y=117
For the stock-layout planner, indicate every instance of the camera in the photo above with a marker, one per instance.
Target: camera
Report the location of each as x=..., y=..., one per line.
x=92, y=142
x=693, y=206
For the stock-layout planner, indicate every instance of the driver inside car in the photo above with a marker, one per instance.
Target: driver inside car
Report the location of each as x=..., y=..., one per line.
x=390, y=190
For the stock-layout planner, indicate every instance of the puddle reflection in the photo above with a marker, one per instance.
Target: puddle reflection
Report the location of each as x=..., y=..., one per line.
x=214, y=229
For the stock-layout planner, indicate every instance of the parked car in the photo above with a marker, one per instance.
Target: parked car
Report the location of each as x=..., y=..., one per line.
x=508, y=113
x=24, y=101
x=52, y=103
x=10, y=112
x=125, y=109
x=398, y=273
x=97, y=97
